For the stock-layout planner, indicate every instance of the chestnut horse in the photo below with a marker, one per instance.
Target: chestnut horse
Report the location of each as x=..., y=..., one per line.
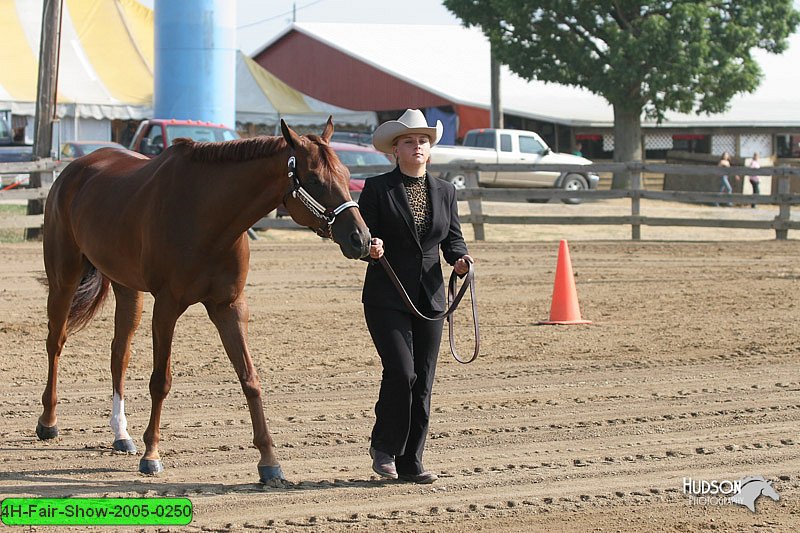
x=175, y=226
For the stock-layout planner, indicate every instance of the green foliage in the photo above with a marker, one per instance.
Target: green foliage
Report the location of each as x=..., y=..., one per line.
x=651, y=55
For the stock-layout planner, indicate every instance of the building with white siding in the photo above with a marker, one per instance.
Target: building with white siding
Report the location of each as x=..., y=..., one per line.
x=445, y=71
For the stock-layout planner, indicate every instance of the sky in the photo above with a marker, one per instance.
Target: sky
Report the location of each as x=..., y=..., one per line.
x=258, y=21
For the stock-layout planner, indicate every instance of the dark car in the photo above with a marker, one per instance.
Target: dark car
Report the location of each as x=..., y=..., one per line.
x=74, y=149
x=352, y=137
x=354, y=156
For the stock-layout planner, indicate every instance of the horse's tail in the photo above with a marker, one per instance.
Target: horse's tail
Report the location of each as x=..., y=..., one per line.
x=89, y=297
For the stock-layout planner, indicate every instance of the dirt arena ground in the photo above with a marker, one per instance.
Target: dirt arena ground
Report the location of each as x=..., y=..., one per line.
x=689, y=370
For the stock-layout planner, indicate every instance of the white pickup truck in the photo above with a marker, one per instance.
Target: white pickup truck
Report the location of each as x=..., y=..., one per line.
x=501, y=146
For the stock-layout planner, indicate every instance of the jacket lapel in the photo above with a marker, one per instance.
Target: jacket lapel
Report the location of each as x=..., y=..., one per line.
x=435, y=197
x=397, y=195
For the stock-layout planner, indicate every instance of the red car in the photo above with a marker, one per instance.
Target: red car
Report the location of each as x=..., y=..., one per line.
x=359, y=155
x=155, y=134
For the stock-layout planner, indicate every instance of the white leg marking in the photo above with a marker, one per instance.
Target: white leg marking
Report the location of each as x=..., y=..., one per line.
x=118, y=422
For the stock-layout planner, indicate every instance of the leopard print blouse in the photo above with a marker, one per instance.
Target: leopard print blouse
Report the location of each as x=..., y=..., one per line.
x=417, y=192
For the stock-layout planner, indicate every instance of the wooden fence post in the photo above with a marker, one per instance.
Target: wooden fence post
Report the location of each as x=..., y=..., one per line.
x=49, y=44
x=784, y=209
x=475, y=206
x=635, y=171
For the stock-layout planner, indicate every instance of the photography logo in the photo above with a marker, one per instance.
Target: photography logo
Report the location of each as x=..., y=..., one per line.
x=744, y=491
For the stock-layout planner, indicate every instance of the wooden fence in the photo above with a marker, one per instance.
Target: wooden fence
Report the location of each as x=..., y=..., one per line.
x=474, y=196
x=48, y=166
x=781, y=196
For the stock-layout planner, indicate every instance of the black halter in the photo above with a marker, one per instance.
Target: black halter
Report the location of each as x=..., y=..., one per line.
x=325, y=215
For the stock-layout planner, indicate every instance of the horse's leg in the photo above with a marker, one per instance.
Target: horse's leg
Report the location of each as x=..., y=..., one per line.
x=58, y=302
x=64, y=267
x=126, y=320
x=231, y=321
x=165, y=314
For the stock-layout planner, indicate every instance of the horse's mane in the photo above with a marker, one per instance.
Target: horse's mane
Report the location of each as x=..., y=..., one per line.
x=254, y=148
x=327, y=157
x=236, y=150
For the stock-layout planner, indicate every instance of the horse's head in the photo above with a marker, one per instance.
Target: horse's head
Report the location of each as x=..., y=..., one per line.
x=751, y=488
x=319, y=196
x=769, y=491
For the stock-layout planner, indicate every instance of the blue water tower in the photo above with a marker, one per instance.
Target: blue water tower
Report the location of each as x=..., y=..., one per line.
x=195, y=60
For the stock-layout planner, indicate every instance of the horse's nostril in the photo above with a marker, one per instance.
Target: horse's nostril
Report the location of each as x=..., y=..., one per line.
x=360, y=243
x=355, y=240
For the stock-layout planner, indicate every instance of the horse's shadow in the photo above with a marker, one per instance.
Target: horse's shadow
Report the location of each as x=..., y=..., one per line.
x=55, y=483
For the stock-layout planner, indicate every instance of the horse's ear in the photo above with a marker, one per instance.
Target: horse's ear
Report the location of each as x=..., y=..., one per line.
x=327, y=133
x=290, y=136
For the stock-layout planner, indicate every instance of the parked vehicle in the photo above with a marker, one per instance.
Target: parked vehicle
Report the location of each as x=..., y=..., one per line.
x=153, y=135
x=352, y=137
x=74, y=149
x=357, y=155
x=502, y=146
x=15, y=154
x=11, y=152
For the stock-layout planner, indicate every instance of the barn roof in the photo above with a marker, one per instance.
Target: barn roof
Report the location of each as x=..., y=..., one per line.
x=453, y=62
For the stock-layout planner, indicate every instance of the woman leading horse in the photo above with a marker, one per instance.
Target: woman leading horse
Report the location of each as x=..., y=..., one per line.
x=175, y=226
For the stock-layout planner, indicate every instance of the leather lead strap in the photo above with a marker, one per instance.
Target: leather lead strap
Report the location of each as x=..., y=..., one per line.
x=453, y=300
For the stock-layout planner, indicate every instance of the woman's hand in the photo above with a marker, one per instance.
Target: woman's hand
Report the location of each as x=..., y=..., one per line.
x=375, y=248
x=462, y=265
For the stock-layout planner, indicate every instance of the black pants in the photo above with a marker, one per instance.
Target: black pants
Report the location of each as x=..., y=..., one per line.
x=408, y=348
x=756, y=189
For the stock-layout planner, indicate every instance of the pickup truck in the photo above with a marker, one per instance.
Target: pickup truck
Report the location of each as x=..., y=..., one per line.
x=11, y=152
x=502, y=146
x=153, y=135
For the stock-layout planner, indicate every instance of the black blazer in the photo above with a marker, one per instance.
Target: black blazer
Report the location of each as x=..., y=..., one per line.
x=384, y=205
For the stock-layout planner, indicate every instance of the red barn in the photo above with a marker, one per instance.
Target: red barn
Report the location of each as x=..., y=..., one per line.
x=318, y=60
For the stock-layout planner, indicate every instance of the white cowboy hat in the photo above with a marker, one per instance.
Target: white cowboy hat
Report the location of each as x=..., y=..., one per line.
x=412, y=121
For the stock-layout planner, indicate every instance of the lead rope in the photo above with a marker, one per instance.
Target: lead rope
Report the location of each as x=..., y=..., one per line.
x=452, y=304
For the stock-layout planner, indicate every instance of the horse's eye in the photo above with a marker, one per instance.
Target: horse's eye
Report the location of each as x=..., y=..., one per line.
x=313, y=179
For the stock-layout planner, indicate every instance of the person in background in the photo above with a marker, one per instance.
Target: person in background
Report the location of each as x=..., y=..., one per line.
x=755, y=181
x=127, y=134
x=578, y=149
x=725, y=184
x=411, y=216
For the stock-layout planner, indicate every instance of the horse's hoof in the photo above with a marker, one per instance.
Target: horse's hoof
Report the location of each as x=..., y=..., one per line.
x=150, y=466
x=268, y=473
x=124, y=445
x=46, y=433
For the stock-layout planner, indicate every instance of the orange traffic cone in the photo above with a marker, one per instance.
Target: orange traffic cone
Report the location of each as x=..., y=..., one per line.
x=564, y=309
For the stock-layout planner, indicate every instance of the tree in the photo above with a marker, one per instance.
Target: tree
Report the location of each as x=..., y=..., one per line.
x=642, y=56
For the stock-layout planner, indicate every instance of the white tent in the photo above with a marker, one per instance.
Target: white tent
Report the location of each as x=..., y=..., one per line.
x=106, y=57
x=106, y=71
